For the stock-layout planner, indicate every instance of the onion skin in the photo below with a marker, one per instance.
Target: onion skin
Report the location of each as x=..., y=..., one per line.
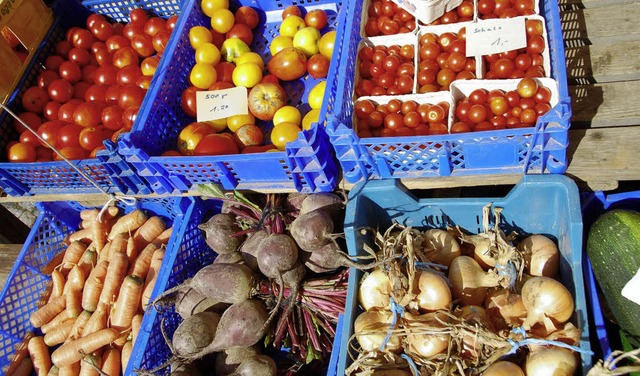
x=556, y=361
x=545, y=298
x=375, y=290
x=503, y=368
x=380, y=322
x=434, y=292
x=440, y=247
x=469, y=282
x=541, y=256
x=506, y=309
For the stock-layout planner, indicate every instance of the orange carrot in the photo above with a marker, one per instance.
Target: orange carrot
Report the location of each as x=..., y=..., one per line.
x=152, y=276
x=72, y=351
x=148, y=232
x=88, y=260
x=125, y=354
x=70, y=370
x=74, y=303
x=89, y=214
x=128, y=223
x=97, y=321
x=58, y=282
x=72, y=256
x=39, y=353
x=132, y=251
x=47, y=312
x=78, y=325
x=25, y=368
x=127, y=304
x=20, y=354
x=116, y=271
x=111, y=361
x=54, y=371
x=104, y=254
x=164, y=237
x=82, y=235
x=118, y=244
x=136, y=323
x=75, y=280
x=53, y=263
x=140, y=266
x=93, y=286
x=55, y=322
x=99, y=232
x=46, y=295
x=90, y=365
x=59, y=334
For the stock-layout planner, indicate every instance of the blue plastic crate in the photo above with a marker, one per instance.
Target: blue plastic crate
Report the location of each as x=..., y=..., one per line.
x=26, y=282
x=307, y=164
x=491, y=152
x=544, y=204
x=109, y=170
x=593, y=205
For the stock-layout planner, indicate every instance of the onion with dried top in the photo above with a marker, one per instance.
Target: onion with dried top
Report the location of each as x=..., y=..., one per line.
x=505, y=308
x=371, y=329
x=422, y=344
x=547, y=302
x=434, y=292
x=503, y=368
x=556, y=361
x=440, y=247
x=375, y=290
x=541, y=256
x=469, y=282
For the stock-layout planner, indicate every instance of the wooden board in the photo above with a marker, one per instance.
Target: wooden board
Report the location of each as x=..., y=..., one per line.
x=597, y=26
x=8, y=255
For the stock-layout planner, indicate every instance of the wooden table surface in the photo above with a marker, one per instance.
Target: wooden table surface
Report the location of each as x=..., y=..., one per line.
x=602, y=48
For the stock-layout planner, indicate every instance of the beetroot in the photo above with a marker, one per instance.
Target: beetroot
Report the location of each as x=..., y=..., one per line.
x=227, y=361
x=240, y=325
x=219, y=233
x=312, y=230
x=259, y=365
x=330, y=257
x=195, y=333
x=189, y=302
x=328, y=202
x=277, y=254
x=229, y=258
x=250, y=247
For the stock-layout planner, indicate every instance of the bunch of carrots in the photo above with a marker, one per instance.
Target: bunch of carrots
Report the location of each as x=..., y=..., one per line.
x=100, y=285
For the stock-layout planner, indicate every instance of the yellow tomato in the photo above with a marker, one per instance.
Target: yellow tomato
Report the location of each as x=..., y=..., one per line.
x=310, y=118
x=217, y=125
x=279, y=43
x=203, y=75
x=210, y=6
x=198, y=35
x=250, y=57
x=247, y=75
x=208, y=53
x=222, y=20
x=235, y=122
x=288, y=114
x=327, y=43
x=316, y=95
x=290, y=26
x=283, y=133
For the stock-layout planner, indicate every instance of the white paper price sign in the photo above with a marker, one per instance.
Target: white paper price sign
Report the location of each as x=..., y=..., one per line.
x=219, y=104
x=495, y=36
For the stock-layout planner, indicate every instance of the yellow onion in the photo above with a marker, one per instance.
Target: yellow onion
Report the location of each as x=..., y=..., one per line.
x=440, y=247
x=423, y=344
x=375, y=290
x=505, y=308
x=474, y=315
x=434, y=292
x=481, y=250
x=541, y=256
x=556, y=361
x=469, y=282
x=378, y=323
x=547, y=302
x=503, y=368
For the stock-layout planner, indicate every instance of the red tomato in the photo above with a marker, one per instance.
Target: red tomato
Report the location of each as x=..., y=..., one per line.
x=34, y=99
x=50, y=110
x=248, y=16
x=216, y=144
x=131, y=95
x=154, y=25
x=20, y=152
x=87, y=115
x=91, y=138
x=128, y=75
x=143, y=45
x=112, y=117
x=138, y=16
x=49, y=131
x=101, y=30
x=65, y=113
x=32, y=120
x=46, y=76
x=27, y=137
x=71, y=153
x=80, y=89
x=188, y=101
x=60, y=90
x=116, y=42
x=68, y=135
x=242, y=32
x=70, y=71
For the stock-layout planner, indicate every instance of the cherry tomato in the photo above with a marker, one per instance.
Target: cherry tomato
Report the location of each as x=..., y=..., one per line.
x=112, y=117
x=69, y=135
x=21, y=153
x=91, y=137
x=60, y=90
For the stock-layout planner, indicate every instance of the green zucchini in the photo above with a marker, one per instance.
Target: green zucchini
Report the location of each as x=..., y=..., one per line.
x=613, y=246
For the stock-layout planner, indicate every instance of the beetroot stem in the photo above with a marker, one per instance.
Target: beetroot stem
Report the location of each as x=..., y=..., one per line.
x=311, y=330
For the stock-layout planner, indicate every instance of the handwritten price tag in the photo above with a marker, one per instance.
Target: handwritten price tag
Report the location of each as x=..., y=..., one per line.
x=219, y=104
x=495, y=36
